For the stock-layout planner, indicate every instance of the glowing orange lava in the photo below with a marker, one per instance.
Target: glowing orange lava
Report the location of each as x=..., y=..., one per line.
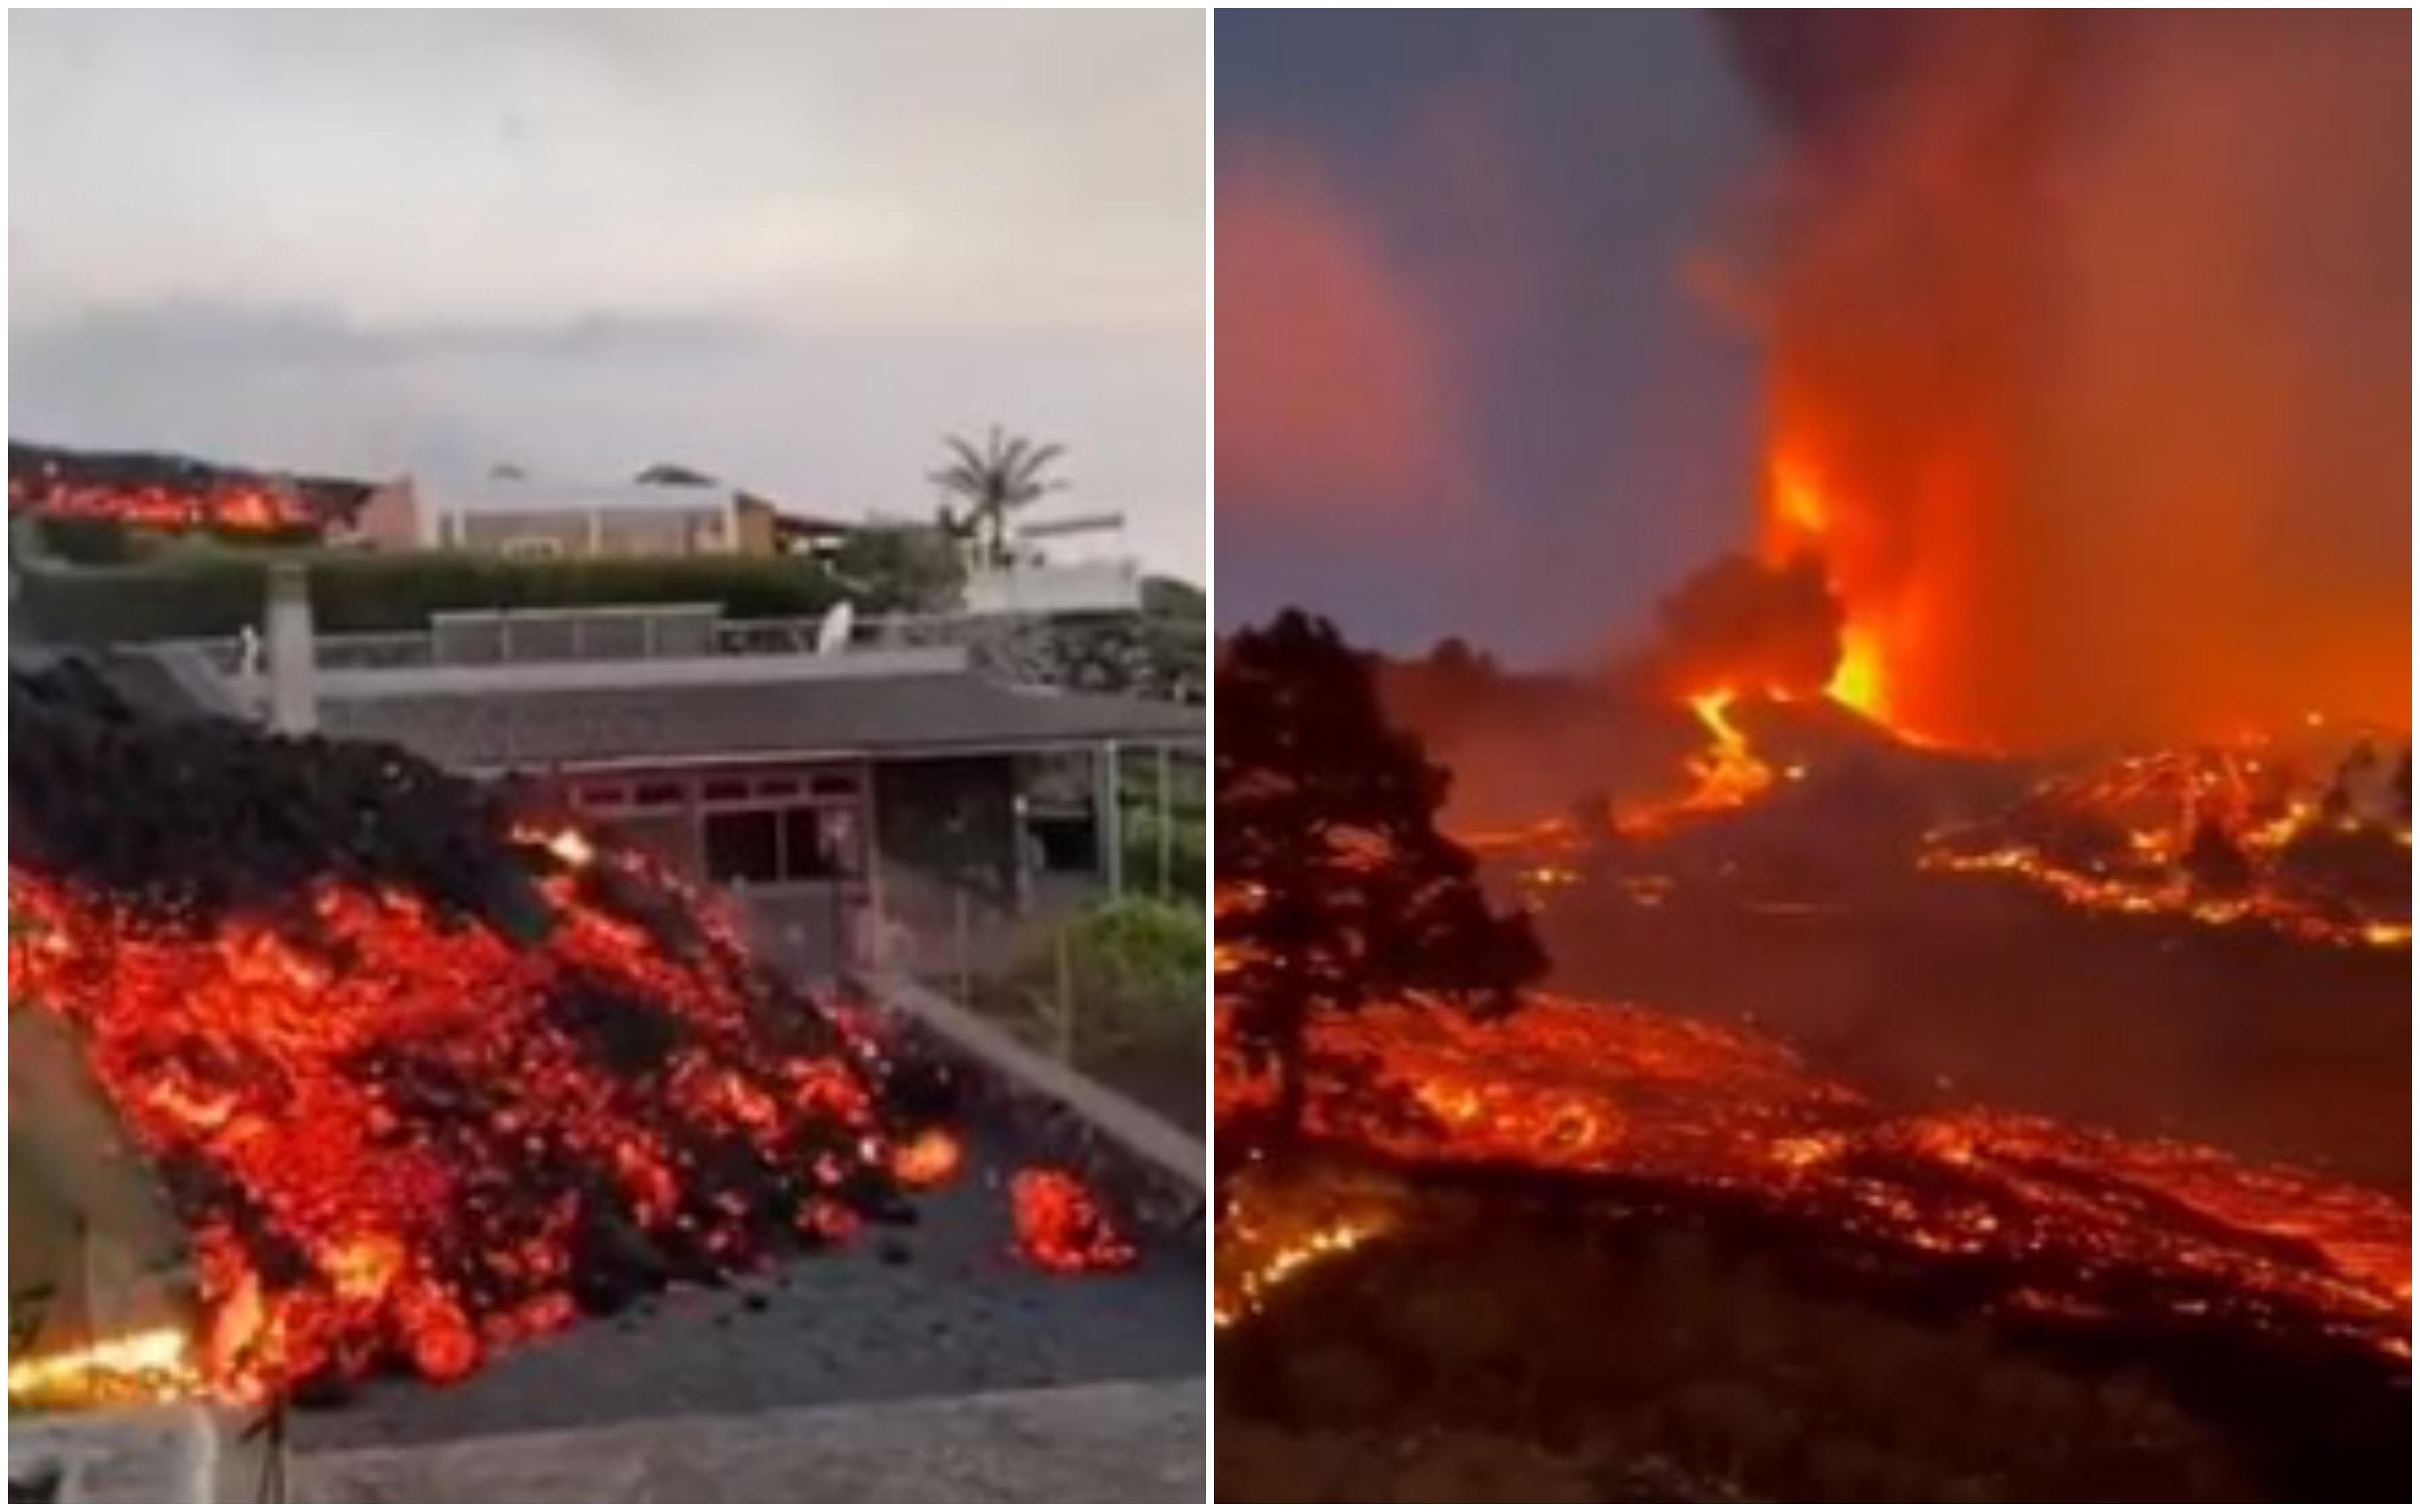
x=400, y=1137
x=1060, y=1226
x=1586, y=1088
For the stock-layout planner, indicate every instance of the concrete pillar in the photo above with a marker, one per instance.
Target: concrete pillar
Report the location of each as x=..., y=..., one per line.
x=293, y=698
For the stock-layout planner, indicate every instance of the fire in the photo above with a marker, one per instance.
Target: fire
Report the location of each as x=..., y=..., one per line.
x=1858, y=681
x=149, y=1365
x=1060, y=1226
x=1801, y=515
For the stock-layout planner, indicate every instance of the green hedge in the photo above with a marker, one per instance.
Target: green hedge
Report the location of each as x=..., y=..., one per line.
x=199, y=590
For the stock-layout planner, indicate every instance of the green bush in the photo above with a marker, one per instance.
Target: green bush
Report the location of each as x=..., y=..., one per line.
x=902, y=569
x=199, y=589
x=1134, y=968
x=89, y=540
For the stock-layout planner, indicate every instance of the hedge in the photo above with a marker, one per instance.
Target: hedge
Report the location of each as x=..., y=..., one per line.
x=199, y=590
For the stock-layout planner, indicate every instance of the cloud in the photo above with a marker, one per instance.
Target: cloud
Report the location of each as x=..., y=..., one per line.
x=1331, y=392
x=846, y=421
x=790, y=249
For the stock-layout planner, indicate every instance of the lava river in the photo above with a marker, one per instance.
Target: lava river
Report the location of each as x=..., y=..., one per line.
x=2075, y=1222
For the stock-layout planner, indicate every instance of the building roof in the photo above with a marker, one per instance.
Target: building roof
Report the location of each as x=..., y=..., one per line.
x=910, y=714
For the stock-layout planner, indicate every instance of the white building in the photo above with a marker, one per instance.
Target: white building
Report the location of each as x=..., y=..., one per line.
x=519, y=516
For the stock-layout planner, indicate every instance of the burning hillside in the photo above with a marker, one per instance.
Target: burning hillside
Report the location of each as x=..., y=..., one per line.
x=424, y=1078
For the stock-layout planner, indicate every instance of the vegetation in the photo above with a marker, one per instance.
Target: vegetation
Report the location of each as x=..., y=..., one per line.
x=1121, y=987
x=88, y=541
x=1448, y=1364
x=199, y=590
x=1004, y=475
x=902, y=569
x=1343, y=890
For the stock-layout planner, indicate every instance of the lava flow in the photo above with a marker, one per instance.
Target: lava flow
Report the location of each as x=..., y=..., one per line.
x=400, y=1137
x=1725, y=775
x=419, y=1083
x=2215, y=836
x=2073, y=1221
x=1060, y=1227
x=218, y=504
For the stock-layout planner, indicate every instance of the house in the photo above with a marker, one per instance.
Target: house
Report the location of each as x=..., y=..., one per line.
x=521, y=516
x=890, y=806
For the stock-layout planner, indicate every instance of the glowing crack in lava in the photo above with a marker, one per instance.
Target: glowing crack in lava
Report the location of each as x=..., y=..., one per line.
x=401, y=1138
x=2072, y=1222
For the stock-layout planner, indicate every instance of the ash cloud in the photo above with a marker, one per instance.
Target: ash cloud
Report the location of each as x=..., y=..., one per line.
x=1744, y=624
x=2098, y=326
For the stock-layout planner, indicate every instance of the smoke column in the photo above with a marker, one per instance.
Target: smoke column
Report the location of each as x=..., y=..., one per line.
x=2091, y=372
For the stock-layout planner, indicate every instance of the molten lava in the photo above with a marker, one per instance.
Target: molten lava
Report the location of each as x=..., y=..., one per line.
x=2074, y=1220
x=931, y=1158
x=219, y=505
x=399, y=1136
x=2220, y=837
x=1729, y=773
x=1060, y=1226
x=150, y=1365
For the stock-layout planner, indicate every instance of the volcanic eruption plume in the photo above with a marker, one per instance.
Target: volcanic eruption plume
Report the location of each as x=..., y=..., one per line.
x=2090, y=374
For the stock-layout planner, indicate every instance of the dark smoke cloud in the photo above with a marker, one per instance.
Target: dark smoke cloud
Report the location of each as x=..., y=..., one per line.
x=1748, y=625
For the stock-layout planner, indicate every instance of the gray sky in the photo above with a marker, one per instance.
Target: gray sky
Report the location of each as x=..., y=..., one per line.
x=789, y=249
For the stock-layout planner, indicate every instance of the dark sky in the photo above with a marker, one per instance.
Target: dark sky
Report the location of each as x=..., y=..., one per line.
x=1469, y=376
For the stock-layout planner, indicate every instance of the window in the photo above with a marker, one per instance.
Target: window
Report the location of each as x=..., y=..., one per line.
x=724, y=789
x=656, y=795
x=821, y=842
x=603, y=796
x=743, y=846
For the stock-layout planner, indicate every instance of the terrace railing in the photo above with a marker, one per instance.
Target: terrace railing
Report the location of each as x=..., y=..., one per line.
x=1120, y=653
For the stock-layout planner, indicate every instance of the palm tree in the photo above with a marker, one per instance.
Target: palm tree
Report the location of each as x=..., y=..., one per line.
x=995, y=482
